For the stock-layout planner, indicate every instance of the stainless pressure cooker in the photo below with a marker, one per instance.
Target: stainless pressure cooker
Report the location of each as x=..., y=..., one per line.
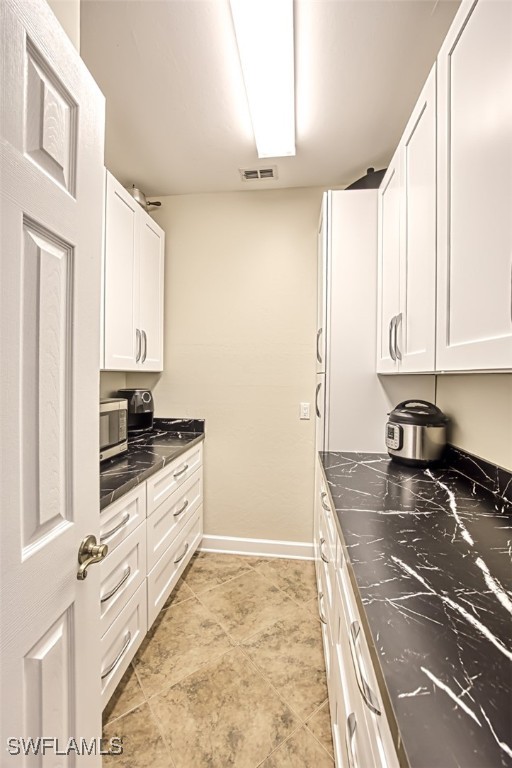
x=416, y=433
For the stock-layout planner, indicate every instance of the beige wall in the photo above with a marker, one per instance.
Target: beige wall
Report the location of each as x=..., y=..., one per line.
x=480, y=409
x=240, y=316
x=110, y=382
x=68, y=14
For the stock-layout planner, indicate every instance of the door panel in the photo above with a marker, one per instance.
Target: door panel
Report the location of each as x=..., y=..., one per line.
x=475, y=190
x=121, y=278
x=389, y=264
x=151, y=294
x=50, y=238
x=416, y=333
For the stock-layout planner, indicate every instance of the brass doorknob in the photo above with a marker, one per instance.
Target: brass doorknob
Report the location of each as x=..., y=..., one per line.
x=90, y=552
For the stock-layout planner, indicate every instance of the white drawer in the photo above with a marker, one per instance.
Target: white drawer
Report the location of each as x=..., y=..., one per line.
x=120, y=642
x=163, y=483
x=362, y=696
x=122, y=572
x=328, y=513
x=163, y=577
x=121, y=517
x=170, y=517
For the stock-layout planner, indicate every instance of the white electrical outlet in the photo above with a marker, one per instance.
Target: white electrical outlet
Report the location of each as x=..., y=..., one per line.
x=304, y=410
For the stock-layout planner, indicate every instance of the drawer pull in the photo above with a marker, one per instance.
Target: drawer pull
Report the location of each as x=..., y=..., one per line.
x=109, y=534
x=181, y=510
x=180, y=558
x=351, y=732
x=320, y=598
x=368, y=695
x=112, y=591
x=324, y=557
x=119, y=656
x=181, y=472
x=323, y=496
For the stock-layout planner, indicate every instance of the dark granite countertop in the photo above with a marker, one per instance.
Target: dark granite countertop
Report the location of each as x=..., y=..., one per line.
x=430, y=554
x=147, y=453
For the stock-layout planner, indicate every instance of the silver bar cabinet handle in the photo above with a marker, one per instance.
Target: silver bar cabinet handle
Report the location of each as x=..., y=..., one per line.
x=318, y=355
x=119, y=656
x=118, y=586
x=180, y=558
x=323, y=496
x=392, y=326
x=109, y=534
x=181, y=509
x=144, y=335
x=324, y=558
x=138, y=345
x=368, y=695
x=320, y=598
x=398, y=321
x=350, y=734
x=317, y=409
x=181, y=472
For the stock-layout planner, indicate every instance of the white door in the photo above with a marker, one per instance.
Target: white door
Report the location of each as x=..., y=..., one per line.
x=52, y=135
x=122, y=332
x=475, y=189
x=416, y=321
x=388, y=298
x=151, y=293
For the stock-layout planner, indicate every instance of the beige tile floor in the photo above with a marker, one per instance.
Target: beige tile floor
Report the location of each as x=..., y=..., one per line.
x=230, y=674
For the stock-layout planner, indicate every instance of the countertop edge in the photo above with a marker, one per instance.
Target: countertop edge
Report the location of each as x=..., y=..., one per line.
x=383, y=688
x=133, y=482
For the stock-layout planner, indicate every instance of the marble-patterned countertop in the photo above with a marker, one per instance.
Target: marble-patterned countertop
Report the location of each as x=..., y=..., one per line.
x=430, y=557
x=147, y=453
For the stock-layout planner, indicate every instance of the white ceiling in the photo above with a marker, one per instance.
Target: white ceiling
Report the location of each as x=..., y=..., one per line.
x=177, y=116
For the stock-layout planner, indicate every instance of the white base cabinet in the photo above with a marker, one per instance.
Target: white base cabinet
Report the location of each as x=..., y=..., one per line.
x=152, y=533
x=360, y=729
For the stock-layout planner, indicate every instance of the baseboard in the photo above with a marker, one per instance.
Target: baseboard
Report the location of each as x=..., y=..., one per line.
x=293, y=550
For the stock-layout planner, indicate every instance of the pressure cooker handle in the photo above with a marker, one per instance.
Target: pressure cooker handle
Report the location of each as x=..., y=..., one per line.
x=158, y=204
x=406, y=403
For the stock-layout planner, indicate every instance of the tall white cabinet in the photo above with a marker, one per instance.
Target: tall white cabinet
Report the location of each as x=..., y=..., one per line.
x=133, y=275
x=353, y=410
x=407, y=246
x=475, y=189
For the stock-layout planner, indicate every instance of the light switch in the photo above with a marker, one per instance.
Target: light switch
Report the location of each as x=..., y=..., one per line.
x=304, y=410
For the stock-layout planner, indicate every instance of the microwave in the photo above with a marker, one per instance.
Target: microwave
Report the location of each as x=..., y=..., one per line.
x=113, y=427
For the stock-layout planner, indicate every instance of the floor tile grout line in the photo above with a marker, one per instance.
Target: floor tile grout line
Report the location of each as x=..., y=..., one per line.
x=127, y=712
x=269, y=682
x=201, y=668
x=281, y=744
x=320, y=742
x=159, y=726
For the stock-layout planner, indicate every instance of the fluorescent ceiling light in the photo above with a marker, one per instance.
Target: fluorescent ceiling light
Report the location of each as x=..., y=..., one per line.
x=264, y=34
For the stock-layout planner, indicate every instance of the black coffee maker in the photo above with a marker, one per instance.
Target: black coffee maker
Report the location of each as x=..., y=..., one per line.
x=140, y=409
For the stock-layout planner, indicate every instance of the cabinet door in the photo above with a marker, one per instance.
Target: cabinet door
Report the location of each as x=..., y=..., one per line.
x=416, y=321
x=120, y=272
x=389, y=267
x=151, y=293
x=321, y=324
x=475, y=189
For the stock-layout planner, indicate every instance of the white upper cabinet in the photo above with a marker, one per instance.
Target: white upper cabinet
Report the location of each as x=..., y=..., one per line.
x=407, y=246
x=388, y=304
x=416, y=320
x=474, y=320
x=133, y=284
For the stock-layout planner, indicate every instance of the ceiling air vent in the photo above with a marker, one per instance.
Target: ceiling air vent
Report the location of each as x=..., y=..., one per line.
x=257, y=174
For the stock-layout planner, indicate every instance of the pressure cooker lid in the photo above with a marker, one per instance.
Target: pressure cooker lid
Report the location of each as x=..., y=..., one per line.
x=418, y=412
